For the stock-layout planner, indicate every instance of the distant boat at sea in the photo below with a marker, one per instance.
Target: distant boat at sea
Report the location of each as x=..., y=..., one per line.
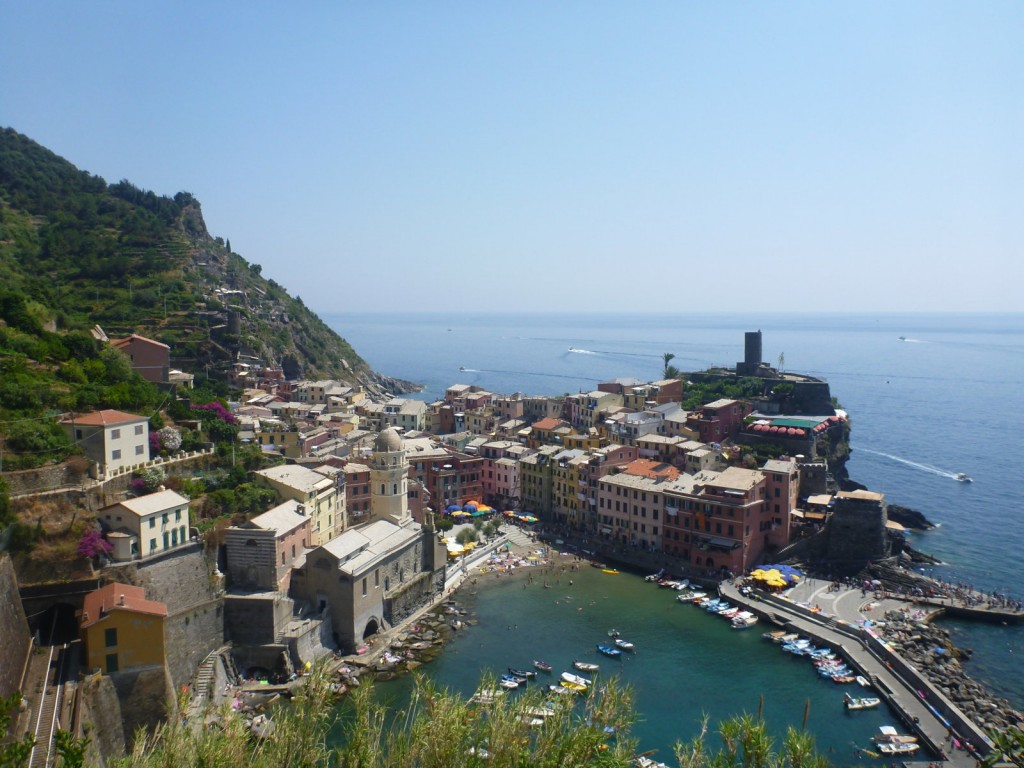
x=963, y=477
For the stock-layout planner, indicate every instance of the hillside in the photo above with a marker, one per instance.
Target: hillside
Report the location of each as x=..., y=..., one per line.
x=76, y=252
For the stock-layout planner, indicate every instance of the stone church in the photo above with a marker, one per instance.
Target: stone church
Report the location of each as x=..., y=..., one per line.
x=374, y=575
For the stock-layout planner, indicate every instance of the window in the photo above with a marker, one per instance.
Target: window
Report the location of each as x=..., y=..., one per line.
x=166, y=540
x=139, y=449
x=138, y=429
x=364, y=587
x=110, y=637
x=115, y=455
x=152, y=545
x=177, y=515
x=115, y=434
x=112, y=662
x=164, y=518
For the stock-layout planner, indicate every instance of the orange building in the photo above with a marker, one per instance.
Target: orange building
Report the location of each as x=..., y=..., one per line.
x=121, y=629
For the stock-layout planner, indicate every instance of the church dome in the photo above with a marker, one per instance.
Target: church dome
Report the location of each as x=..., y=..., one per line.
x=388, y=441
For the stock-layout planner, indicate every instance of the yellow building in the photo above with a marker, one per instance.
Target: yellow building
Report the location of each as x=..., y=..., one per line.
x=121, y=629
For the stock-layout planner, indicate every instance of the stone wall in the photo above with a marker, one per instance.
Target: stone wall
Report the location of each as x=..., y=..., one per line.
x=855, y=535
x=182, y=580
x=14, y=636
x=146, y=697
x=190, y=636
x=27, y=481
x=101, y=713
x=256, y=619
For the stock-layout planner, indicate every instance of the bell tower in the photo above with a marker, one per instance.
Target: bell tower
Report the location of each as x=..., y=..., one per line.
x=389, y=477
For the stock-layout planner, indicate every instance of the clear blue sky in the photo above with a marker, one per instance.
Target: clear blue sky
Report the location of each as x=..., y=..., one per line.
x=660, y=156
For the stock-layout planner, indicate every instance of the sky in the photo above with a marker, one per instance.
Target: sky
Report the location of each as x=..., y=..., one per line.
x=570, y=156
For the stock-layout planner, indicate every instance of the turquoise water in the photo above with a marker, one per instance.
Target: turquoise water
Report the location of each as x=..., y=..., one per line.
x=687, y=664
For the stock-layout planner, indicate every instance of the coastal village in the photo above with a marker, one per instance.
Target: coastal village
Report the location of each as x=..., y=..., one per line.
x=355, y=562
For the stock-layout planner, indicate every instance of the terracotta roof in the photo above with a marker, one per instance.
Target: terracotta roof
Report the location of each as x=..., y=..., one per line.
x=135, y=337
x=104, y=418
x=652, y=469
x=118, y=597
x=548, y=423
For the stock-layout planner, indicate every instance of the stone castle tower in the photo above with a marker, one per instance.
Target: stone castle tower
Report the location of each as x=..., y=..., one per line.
x=389, y=472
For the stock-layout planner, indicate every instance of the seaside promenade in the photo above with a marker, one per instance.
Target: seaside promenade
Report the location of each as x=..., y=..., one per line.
x=832, y=618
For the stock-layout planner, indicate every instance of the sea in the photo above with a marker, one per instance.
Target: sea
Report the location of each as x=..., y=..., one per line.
x=929, y=396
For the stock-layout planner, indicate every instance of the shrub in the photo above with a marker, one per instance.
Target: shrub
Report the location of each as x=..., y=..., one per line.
x=92, y=543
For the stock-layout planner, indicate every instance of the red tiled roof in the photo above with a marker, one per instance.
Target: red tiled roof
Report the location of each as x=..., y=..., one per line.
x=104, y=418
x=548, y=423
x=120, y=597
x=119, y=343
x=651, y=469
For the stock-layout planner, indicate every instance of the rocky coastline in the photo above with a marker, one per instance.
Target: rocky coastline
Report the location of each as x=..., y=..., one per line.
x=930, y=650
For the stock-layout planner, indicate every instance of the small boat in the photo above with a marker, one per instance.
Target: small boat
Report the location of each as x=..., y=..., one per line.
x=543, y=666
x=569, y=677
x=963, y=477
x=655, y=576
x=889, y=735
x=624, y=644
x=643, y=761
x=609, y=650
x=520, y=675
x=744, y=620
x=560, y=690
x=585, y=666
x=609, y=570
x=902, y=338
x=574, y=687
x=613, y=633
x=508, y=682
x=905, y=748
x=775, y=635
x=863, y=682
x=486, y=696
x=596, y=564
x=863, y=702
x=544, y=711
x=462, y=367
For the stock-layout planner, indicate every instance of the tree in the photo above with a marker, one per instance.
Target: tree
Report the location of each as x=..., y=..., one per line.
x=670, y=371
x=466, y=536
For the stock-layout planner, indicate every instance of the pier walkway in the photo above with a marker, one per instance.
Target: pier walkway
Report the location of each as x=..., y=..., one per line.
x=911, y=696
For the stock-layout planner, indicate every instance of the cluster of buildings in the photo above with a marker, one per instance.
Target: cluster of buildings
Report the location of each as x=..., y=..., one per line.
x=350, y=546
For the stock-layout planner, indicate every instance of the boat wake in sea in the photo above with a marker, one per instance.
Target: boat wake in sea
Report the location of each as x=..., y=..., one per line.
x=581, y=351
x=958, y=476
x=464, y=369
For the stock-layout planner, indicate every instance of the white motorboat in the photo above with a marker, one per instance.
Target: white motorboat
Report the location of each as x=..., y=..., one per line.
x=569, y=677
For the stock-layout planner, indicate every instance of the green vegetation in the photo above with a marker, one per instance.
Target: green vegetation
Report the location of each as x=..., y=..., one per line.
x=76, y=252
x=702, y=390
x=439, y=729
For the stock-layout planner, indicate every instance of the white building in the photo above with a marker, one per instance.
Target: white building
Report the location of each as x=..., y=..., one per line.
x=113, y=439
x=146, y=525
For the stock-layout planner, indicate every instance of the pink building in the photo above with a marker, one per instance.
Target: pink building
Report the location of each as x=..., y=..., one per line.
x=262, y=550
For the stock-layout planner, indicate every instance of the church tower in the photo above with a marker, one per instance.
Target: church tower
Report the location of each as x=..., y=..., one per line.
x=389, y=473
